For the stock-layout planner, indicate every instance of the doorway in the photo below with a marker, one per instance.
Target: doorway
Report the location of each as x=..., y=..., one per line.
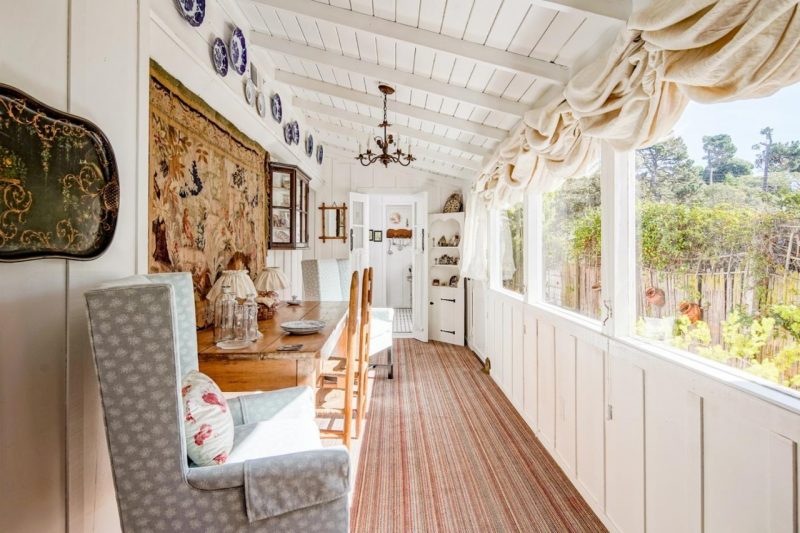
x=393, y=254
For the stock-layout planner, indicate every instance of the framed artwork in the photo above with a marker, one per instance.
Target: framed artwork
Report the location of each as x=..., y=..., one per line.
x=372, y=235
x=207, y=192
x=378, y=236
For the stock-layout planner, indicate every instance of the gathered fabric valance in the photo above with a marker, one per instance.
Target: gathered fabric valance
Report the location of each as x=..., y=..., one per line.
x=670, y=53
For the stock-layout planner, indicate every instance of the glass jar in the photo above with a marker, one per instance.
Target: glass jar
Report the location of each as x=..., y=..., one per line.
x=250, y=318
x=225, y=318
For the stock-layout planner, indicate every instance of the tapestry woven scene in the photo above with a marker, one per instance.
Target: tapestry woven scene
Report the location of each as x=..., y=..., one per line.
x=207, y=207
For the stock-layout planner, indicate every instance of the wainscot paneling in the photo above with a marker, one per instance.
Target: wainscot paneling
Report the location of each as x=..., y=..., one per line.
x=652, y=441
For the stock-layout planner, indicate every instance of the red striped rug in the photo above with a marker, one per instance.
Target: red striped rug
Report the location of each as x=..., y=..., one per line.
x=444, y=450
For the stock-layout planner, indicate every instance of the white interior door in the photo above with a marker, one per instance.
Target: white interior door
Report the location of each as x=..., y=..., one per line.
x=359, y=231
x=419, y=272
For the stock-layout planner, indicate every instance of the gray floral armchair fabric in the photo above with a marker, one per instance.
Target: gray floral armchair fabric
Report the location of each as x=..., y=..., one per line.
x=143, y=339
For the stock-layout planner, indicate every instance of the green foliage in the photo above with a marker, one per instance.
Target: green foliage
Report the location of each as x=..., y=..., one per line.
x=666, y=173
x=586, y=236
x=691, y=337
x=719, y=150
x=787, y=316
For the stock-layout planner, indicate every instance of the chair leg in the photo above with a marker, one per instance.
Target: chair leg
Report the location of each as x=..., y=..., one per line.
x=361, y=406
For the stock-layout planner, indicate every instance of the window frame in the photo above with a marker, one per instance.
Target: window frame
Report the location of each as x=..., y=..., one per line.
x=495, y=264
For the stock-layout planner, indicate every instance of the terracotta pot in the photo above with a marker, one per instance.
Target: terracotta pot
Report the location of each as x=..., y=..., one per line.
x=691, y=310
x=655, y=296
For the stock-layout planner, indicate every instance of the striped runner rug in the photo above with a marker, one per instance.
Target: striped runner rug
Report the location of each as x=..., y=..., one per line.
x=444, y=450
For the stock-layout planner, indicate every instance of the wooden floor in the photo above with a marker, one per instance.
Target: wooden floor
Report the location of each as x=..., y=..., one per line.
x=444, y=450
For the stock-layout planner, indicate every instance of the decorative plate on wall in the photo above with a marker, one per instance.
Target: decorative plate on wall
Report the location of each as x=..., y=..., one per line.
x=194, y=11
x=261, y=104
x=250, y=91
x=319, y=154
x=309, y=145
x=238, y=51
x=277, y=108
x=295, y=132
x=287, y=132
x=219, y=54
x=59, y=184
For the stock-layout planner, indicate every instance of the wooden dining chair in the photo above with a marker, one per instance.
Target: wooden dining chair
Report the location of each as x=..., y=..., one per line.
x=336, y=384
x=334, y=369
x=363, y=350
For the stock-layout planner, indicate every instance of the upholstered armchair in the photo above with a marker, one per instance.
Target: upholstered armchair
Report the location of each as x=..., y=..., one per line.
x=278, y=476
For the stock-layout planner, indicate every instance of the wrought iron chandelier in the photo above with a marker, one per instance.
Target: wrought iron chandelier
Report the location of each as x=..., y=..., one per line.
x=384, y=144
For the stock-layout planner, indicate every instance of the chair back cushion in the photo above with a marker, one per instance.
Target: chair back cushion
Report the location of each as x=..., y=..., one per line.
x=326, y=280
x=207, y=420
x=183, y=302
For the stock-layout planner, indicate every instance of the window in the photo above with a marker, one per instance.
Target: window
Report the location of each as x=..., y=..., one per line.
x=718, y=237
x=512, y=251
x=571, y=245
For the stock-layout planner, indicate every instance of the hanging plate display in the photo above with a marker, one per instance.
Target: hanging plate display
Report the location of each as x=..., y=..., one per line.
x=238, y=51
x=194, y=11
x=287, y=132
x=59, y=184
x=295, y=132
x=309, y=145
x=277, y=108
x=261, y=104
x=250, y=91
x=219, y=54
x=319, y=154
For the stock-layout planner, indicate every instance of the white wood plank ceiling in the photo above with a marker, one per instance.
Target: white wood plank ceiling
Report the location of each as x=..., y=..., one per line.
x=464, y=70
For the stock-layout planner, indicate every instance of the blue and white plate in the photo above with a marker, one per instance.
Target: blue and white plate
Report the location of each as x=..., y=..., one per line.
x=194, y=11
x=219, y=54
x=250, y=91
x=261, y=104
x=319, y=154
x=238, y=51
x=277, y=108
x=295, y=132
x=287, y=132
x=309, y=145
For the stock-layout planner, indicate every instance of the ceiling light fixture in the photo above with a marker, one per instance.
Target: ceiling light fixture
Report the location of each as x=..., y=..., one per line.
x=385, y=143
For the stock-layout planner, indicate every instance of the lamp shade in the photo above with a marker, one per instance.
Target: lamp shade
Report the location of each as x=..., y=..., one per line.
x=271, y=279
x=240, y=283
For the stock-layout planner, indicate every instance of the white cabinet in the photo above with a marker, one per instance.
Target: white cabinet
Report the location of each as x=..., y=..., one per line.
x=446, y=293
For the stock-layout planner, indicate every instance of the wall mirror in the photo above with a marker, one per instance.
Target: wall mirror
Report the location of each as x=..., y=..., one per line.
x=334, y=222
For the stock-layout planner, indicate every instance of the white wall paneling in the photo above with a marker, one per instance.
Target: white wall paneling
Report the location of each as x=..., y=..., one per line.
x=683, y=447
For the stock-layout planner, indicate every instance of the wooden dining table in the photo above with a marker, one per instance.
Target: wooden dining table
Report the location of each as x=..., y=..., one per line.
x=260, y=366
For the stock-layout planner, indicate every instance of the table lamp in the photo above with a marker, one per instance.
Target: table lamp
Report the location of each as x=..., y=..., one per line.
x=268, y=282
x=240, y=283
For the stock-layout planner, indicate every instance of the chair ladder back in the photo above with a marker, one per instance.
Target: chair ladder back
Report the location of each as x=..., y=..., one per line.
x=351, y=349
x=363, y=349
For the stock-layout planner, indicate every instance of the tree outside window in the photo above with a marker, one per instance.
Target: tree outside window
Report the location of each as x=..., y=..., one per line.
x=512, y=251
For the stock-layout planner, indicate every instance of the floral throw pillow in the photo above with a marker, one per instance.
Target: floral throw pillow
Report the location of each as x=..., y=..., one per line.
x=208, y=423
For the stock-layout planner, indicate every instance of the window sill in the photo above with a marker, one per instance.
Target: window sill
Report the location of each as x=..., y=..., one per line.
x=732, y=377
x=509, y=293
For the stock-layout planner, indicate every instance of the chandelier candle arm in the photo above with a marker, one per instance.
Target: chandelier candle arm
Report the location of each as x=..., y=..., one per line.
x=384, y=156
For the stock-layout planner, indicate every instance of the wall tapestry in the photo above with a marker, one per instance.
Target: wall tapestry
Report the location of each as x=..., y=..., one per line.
x=59, y=187
x=207, y=190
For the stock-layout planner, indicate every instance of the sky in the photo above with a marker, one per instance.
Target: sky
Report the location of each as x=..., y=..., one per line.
x=742, y=121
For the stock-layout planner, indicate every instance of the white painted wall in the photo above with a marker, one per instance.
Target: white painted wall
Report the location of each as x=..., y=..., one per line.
x=91, y=58
x=341, y=176
x=684, y=450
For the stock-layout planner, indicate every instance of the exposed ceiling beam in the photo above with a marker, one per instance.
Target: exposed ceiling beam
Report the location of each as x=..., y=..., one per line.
x=470, y=164
x=396, y=128
x=433, y=175
x=435, y=161
x=388, y=75
x=418, y=37
x=419, y=166
x=330, y=89
x=611, y=9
